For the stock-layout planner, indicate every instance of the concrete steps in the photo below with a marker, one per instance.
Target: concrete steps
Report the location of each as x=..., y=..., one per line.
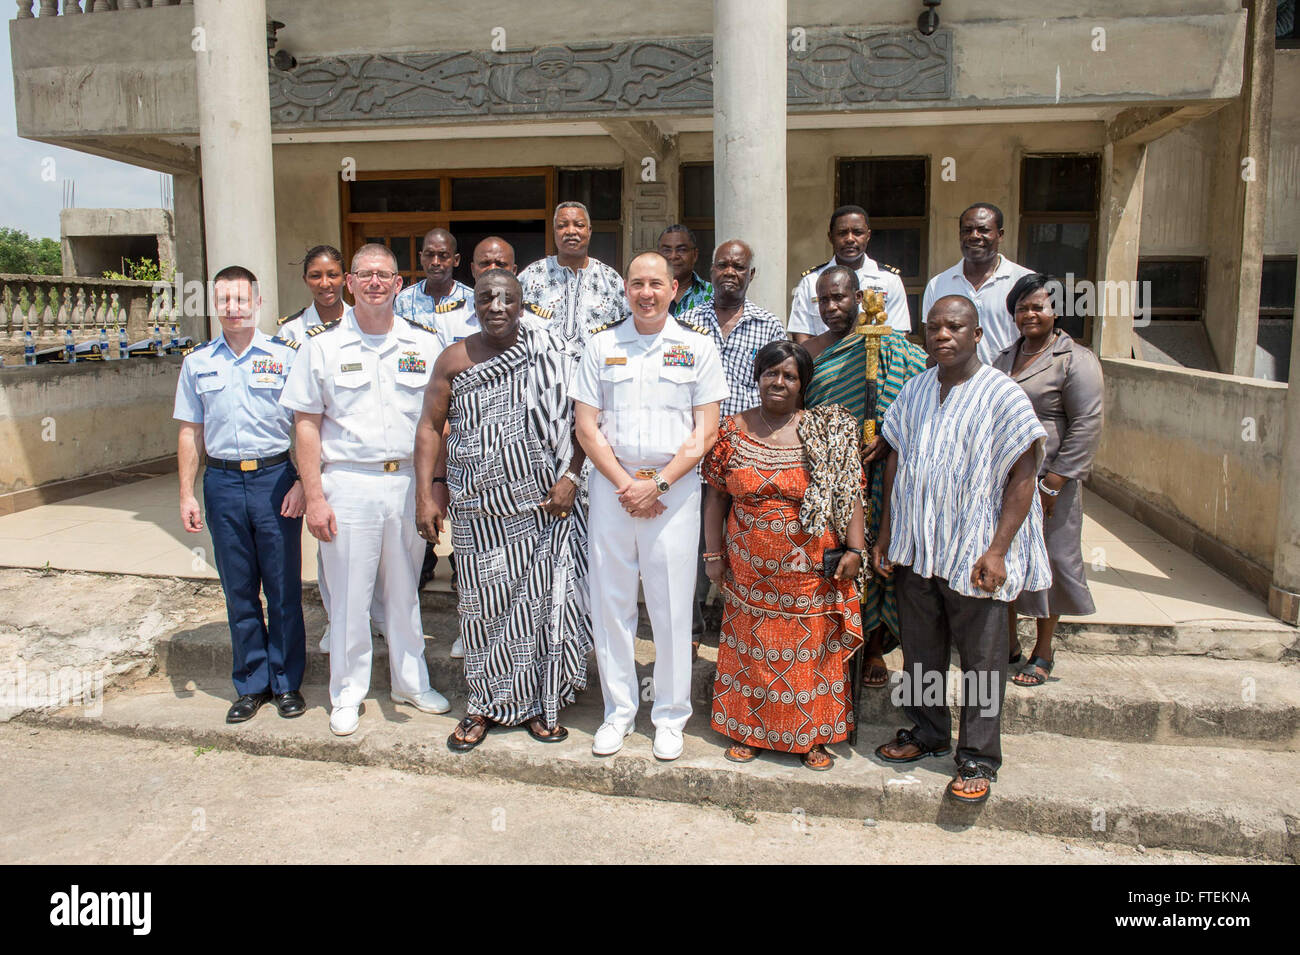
x=1215, y=799
x=1165, y=699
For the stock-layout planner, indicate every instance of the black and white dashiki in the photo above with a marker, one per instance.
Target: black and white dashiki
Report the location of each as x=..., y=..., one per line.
x=524, y=609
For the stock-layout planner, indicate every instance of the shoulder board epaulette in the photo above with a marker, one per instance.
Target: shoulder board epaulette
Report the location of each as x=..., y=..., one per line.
x=446, y=307
x=700, y=329
x=289, y=318
x=813, y=269
x=323, y=327
x=287, y=342
x=416, y=323
x=541, y=311
x=890, y=268
x=610, y=324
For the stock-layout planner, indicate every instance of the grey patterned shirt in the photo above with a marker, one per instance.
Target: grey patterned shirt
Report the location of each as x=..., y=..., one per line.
x=756, y=328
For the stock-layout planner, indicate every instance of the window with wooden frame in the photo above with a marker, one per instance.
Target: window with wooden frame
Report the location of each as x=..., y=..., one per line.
x=395, y=208
x=895, y=191
x=1172, y=287
x=1059, y=198
x=696, y=211
x=601, y=191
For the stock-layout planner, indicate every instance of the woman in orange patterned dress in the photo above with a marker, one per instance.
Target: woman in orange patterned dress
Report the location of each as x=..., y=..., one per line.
x=788, y=484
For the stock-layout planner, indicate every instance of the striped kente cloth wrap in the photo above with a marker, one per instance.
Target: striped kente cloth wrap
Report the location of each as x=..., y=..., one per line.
x=840, y=377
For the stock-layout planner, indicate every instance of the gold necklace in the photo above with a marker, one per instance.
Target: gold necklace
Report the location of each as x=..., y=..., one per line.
x=771, y=429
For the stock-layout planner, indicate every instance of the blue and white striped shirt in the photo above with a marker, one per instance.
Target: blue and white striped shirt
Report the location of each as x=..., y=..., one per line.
x=953, y=463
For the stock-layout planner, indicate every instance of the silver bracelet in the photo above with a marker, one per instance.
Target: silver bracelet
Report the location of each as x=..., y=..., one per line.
x=1046, y=490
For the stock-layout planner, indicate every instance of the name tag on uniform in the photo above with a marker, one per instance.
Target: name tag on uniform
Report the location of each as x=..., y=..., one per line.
x=350, y=366
x=411, y=362
x=680, y=356
x=616, y=360
x=267, y=366
x=205, y=374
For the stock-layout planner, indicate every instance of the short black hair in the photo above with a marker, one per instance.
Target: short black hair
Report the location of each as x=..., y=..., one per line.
x=488, y=275
x=838, y=269
x=233, y=273
x=773, y=353
x=843, y=211
x=997, y=213
x=1027, y=285
x=678, y=227
x=316, y=251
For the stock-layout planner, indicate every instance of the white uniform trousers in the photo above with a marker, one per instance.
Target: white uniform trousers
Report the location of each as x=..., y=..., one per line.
x=376, y=545
x=662, y=552
x=376, y=605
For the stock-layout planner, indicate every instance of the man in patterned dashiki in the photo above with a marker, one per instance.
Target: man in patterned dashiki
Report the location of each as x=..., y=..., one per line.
x=516, y=525
x=839, y=377
x=583, y=294
x=964, y=533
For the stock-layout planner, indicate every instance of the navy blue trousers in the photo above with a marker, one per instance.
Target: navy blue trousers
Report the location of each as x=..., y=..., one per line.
x=258, y=550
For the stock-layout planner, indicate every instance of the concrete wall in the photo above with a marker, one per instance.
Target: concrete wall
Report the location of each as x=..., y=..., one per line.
x=98, y=239
x=1203, y=448
x=1282, y=220
x=64, y=422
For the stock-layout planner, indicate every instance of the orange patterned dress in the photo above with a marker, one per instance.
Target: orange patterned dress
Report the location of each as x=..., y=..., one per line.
x=787, y=631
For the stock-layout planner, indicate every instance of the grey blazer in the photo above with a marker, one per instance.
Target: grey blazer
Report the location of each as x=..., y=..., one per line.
x=1064, y=384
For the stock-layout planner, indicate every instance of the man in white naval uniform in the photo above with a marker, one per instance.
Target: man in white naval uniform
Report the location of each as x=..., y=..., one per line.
x=849, y=232
x=357, y=388
x=646, y=404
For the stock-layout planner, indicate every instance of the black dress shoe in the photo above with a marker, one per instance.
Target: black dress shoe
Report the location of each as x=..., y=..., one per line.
x=290, y=704
x=246, y=707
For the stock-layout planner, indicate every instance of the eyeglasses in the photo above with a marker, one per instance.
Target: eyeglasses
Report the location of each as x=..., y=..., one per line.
x=367, y=274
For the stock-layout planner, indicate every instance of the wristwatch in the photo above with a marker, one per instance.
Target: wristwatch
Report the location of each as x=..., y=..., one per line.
x=660, y=483
x=576, y=481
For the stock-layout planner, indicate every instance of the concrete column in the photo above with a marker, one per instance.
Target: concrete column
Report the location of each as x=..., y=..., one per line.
x=187, y=197
x=1284, y=592
x=1238, y=190
x=1123, y=172
x=749, y=119
x=235, y=142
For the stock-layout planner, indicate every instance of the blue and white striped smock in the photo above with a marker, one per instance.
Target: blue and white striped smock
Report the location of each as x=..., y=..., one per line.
x=953, y=462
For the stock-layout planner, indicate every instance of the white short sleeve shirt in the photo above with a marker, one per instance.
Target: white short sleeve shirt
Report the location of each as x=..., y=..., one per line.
x=990, y=301
x=805, y=319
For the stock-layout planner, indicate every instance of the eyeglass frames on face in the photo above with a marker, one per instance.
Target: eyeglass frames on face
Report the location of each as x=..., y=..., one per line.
x=365, y=275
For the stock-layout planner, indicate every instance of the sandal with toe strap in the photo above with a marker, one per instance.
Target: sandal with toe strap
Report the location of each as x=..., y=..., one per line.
x=818, y=760
x=740, y=753
x=909, y=738
x=462, y=743
x=972, y=770
x=539, y=731
x=1029, y=675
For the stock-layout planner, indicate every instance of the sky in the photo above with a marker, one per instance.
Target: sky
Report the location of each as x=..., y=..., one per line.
x=29, y=202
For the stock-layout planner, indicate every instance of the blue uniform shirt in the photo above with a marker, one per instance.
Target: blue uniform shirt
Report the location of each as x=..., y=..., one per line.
x=237, y=399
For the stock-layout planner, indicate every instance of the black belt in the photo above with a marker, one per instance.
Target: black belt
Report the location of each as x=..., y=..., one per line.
x=254, y=464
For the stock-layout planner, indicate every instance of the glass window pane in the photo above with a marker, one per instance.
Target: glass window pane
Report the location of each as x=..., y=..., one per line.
x=900, y=248
x=498, y=192
x=1060, y=184
x=1059, y=249
x=394, y=195
x=604, y=246
x=697, y=191
x=401, y=246
x=1277, y=288
x=526, y=237
x=705, y=241
x=600, y=190
x=1172, y=284
x=884, y=187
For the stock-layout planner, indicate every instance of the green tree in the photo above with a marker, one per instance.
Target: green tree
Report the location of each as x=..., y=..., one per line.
x=21, y=254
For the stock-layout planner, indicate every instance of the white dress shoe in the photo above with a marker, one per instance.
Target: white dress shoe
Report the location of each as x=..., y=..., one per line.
x=344, y=720
x=325, y=640
x=458, y=649
x=609, y=739
x=668, y=743
x=430, y=701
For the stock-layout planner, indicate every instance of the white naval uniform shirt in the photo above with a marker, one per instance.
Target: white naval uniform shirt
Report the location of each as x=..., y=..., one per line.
x=990, y=301
x=805, y=319
x=456, y=321
x=647, y=387
x=294, y=328
x=370, y=400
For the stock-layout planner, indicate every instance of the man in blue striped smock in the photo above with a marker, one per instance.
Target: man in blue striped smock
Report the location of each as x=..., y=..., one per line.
x=964, y=532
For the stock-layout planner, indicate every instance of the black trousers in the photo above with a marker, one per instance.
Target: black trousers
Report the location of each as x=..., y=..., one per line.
x=932, y=617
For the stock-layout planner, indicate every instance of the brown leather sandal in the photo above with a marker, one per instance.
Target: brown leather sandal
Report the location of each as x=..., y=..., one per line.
x=817, y=759
x=539, y=731
x=460, y=740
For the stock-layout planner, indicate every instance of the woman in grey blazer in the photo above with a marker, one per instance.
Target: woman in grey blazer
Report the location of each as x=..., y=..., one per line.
x=1063, y=380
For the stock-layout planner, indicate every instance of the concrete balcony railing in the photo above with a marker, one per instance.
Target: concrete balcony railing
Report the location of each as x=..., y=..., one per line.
x=50, y=305
x=50, y=8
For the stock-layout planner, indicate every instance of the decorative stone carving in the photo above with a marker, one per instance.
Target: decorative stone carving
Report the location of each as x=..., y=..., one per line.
x=841, y=69
x=24, y=10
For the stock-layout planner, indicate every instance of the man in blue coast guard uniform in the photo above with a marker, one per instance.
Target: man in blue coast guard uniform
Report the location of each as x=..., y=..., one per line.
x=228, y=403
x=357, y=389
x=646, y=410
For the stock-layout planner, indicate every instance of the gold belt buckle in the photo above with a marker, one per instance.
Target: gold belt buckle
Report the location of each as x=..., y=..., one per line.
x=248, y=465
x=391, y=465
x=646, y=474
